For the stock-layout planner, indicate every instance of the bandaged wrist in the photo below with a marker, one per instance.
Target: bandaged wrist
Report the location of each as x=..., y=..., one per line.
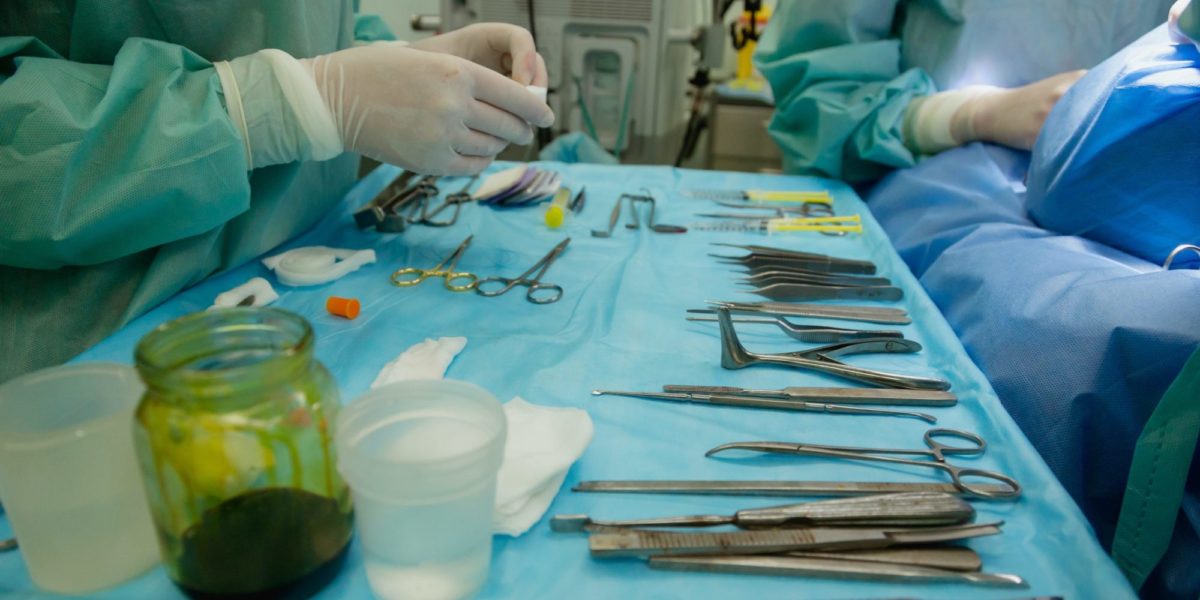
x=276, y=106
x=937, y=123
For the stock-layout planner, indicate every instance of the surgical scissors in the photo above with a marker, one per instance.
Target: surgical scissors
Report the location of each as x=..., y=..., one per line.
x=444, y=269
x=936, y=450
x=535, y=284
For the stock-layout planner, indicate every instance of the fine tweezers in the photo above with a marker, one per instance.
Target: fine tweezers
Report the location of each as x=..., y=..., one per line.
x=869, y=314
x=801, y=292
x=812, y=334
x=830, y=568
x=774, y=489
x=643, y=543
x=768, y=403
x=921, y=509
x=824, y=394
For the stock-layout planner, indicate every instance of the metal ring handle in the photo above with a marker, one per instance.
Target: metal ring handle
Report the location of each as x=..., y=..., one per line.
x=471, y=279
x=931, y=440
x=554, y=292
x=421, y=275
x=505, y=285
x=958, y=475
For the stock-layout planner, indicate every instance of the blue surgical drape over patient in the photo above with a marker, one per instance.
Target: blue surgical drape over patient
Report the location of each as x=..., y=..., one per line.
x=844, y=72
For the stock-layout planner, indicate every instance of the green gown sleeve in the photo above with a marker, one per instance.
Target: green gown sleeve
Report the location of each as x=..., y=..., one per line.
x=835, y=69
x=99, y=162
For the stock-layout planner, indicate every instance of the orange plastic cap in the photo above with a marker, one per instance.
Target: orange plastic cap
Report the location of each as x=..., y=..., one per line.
x=343, y=307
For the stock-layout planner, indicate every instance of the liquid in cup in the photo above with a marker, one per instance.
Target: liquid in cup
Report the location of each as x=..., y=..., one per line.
x=421, y=459
x=69, y=478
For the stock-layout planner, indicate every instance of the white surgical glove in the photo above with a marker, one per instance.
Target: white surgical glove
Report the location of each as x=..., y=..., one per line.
x=425, y=111
x=503, y=48
x=1177, y=28
x=1009, y=117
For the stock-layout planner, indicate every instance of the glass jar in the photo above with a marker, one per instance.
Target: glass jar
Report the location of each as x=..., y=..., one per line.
x=234, y=441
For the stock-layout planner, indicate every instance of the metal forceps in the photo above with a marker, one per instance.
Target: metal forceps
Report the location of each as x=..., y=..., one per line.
x=457, y=199
x=535, y=285
x=938, y=451
x=410, y=276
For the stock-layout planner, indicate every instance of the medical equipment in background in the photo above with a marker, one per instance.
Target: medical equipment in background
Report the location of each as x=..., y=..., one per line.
x=623, y=63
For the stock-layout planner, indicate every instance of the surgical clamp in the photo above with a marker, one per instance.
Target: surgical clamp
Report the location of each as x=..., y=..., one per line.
x=812, y=334
x=372, y=212
x=444, y=269
x=531, y=278
x=935, y=450
x=775, y=489
x=768, y=403
x=925, y=509
x=735, y=356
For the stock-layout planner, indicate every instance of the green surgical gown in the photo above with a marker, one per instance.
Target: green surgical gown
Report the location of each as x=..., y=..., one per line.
x=122, y=178
x=844, y=71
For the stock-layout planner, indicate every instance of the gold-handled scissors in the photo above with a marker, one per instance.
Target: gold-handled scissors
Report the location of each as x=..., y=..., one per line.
x=410, y=276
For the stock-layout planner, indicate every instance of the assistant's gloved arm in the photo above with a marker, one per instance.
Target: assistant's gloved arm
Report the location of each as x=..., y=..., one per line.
x=429, y=111
x=840, y=95
x=1009, y=117
x=99, y=162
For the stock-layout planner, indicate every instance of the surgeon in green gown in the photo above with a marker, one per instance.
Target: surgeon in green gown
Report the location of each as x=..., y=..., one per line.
x=147, y=144
x=866, y=86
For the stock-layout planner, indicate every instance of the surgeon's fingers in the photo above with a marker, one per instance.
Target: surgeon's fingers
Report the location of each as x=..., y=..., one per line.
x=515, y=44
x=506, y=94
x=502, y=124
x=476, y=143
x=466, y=165
x=541, y=77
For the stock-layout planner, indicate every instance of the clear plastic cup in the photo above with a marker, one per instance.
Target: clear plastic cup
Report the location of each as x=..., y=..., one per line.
x=421, y=459
x=69, y=478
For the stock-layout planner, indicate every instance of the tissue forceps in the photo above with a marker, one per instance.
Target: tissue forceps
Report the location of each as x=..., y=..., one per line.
x=457, y=199
x=535, y=284
x=410, y=276
x=937, y=451
x=812, y=334
x=767, y=403
x=735, y=356
x=801, y=565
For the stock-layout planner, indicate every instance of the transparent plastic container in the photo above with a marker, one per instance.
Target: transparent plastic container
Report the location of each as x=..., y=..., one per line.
x=421, y=458
x=234, y=435
x=69, y=477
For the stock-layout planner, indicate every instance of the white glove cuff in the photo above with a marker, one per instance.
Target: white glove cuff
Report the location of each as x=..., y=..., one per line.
x=276, y=105
x=928, y=122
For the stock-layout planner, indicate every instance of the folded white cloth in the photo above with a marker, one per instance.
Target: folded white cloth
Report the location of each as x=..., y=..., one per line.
x=258, y=288
x=427, y=360
x=543, y=442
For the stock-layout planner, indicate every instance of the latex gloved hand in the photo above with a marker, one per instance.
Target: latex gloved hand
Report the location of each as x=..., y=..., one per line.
x=1009, y=117
x=506, y=49
x=425, y=111
x=1185, y=28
